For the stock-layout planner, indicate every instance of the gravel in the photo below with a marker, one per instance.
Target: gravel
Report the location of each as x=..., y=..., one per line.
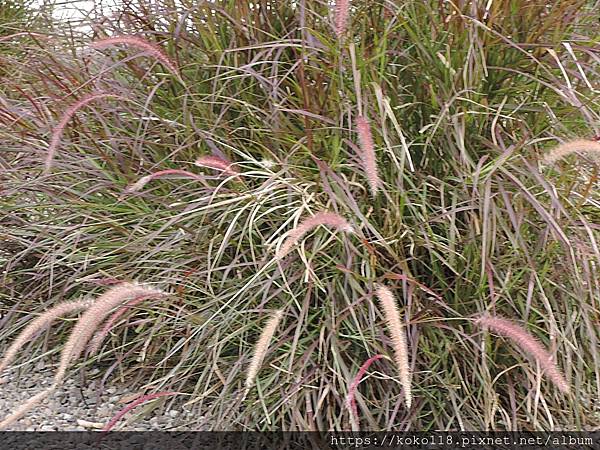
x=74, y=407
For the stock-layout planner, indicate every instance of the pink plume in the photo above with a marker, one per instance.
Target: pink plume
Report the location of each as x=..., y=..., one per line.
x=69, y=113
x=342, y=11
x=367, y=155
x=528, y=344
x=330, y=219
x=214, y=162
x=141, y=44
x=129, y=407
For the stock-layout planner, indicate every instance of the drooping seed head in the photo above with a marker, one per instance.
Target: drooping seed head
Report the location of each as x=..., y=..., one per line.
x=527, y=343
x=567, y=148
x=327, y=218
x=141, y=44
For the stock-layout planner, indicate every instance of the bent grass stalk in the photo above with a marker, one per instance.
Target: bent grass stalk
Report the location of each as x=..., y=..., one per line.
x=139, y=185
x=528, y=344
x=141, y=44
x=397, y=333
x=64, y=120
x=96, y=341
x=350, y=399
x=129, y=407
x=214, y=162
x=330, y=219
x=83, y=330
x=91, y=319
x=39, y=324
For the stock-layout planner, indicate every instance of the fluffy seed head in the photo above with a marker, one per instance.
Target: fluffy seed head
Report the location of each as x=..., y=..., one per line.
x=64, y=120
x=141, y=44
x=329, y=219
x=342, y=11
x=578, y=145
x=367, y=155
x=528, y=344
x=261, y=347
x=214, y=162
x=397, y=333
x=93, y=317
x=39, y=324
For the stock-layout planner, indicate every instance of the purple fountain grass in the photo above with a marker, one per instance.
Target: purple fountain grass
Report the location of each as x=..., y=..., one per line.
x=214, y=162
x=64, y=120
x=141, y=44
x=330, y=219
x=567, y=148
x=350, y=400
x=342, y=12
x=397, y=333
x=139, y=185
x=261, y=347
x=528, y=344
x=39, y=324
x=367, y=155
x=129, y=407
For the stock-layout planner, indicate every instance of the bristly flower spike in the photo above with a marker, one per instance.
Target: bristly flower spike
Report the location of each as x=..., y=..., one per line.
x=214, y=162
x=64, y=120
x=398, y=335
x=342, y=12
x=367, y=156
x=261, y=347
x=141, y=44
x=327, y=218
x=528, y=344
x=578, y=145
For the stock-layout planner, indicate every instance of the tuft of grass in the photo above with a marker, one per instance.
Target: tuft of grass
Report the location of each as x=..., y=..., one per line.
x=468, y=98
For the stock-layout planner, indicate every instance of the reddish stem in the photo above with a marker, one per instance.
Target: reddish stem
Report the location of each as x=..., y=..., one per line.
x=139, y=401
x=356, y=381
